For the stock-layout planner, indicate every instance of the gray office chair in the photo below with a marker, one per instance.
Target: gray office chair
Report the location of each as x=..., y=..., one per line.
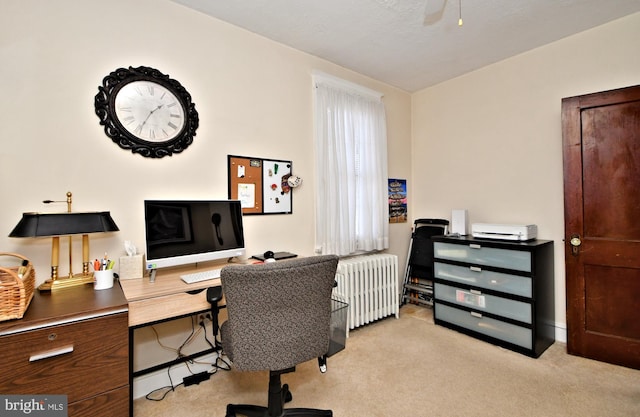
x=279, y=315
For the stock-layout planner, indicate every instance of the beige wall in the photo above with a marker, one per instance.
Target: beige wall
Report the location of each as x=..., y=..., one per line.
x=491, y=141
x=254, y=98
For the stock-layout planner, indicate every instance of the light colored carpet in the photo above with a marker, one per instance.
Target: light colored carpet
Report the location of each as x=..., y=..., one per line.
x=411, y=367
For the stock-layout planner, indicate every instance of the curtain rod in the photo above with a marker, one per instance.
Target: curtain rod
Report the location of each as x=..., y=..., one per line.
x=320, y=77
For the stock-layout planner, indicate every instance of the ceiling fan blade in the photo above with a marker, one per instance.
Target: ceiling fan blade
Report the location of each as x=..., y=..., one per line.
x=433, y=11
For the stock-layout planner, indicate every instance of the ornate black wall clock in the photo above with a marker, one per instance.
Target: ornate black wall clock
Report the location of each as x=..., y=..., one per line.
x=147, y=112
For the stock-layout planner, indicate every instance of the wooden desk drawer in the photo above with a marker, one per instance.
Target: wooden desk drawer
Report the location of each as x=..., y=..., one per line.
x=168, y=306
x=79, y=359
x=108, y=404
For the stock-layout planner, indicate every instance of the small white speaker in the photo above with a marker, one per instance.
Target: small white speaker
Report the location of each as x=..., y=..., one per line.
x=459, y=222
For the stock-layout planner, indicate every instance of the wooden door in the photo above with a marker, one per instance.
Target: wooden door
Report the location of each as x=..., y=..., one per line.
x=601, y=150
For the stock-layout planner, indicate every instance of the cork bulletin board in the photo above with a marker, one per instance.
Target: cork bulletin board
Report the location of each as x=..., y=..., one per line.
x=260, y=184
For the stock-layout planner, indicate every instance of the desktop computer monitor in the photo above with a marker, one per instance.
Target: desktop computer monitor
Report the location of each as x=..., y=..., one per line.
x=179, y=232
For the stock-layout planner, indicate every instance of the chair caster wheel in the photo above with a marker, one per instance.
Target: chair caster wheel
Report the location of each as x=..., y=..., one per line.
x=287, y=394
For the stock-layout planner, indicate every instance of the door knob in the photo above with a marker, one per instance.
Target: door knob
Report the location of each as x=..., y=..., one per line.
x=575, y=244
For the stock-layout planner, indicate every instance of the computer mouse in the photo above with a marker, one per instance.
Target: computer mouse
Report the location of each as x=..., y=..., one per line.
x=269, y=256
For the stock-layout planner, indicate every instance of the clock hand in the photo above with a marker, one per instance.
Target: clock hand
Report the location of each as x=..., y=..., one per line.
x=150, y=113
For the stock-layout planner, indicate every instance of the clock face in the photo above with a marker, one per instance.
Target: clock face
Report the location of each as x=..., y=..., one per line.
x=146, y=112
x=149, y=111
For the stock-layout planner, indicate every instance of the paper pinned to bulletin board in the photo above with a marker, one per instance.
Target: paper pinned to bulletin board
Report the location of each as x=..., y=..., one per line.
x=245, y=183
x=260, y=184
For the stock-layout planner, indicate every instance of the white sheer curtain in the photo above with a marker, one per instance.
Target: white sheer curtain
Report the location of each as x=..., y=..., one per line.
x=352, y=211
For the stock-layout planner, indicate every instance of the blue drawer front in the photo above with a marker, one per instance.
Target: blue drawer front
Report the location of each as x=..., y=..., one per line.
x=515, y=310
x=477, y=277
x=497, y=329
x=481, y=255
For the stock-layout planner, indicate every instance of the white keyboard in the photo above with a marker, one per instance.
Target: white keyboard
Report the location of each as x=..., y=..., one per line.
x=200, y=276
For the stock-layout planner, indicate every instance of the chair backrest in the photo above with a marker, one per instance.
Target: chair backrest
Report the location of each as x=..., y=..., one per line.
x=279, y=314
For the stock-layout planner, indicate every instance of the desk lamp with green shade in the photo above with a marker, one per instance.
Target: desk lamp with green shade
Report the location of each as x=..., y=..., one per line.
x=68, y=224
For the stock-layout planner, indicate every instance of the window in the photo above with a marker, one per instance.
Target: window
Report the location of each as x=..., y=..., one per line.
x=351, y=162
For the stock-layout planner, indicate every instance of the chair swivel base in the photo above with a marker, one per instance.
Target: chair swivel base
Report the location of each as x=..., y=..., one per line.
x=279, y=394
x=234, y=410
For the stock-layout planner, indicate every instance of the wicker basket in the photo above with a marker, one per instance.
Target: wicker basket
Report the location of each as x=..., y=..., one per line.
x=15, y=293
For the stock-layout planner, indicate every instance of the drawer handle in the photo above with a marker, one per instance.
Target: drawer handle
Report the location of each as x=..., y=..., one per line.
x=475, y=269
x=475, y=292
x=475, y=246
x=51, y=353
x=478, y=315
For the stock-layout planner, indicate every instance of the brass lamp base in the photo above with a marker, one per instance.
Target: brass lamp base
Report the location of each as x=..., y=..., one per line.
x=66, y=282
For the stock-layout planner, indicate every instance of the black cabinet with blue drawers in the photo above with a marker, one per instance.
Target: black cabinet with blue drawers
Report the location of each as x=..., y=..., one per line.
x=501, y=292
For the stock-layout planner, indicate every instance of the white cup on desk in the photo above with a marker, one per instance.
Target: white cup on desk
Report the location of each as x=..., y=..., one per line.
x=103, y=279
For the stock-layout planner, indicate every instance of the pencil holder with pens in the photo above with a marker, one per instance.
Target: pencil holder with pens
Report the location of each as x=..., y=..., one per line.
x=103, y=279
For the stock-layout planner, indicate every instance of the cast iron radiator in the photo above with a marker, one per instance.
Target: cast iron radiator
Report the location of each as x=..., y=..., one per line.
x=369, y=285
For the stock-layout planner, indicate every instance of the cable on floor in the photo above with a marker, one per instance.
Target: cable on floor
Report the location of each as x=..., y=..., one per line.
x=219, y=364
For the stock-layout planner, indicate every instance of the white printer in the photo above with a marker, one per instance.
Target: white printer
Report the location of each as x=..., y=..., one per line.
x=504, y=231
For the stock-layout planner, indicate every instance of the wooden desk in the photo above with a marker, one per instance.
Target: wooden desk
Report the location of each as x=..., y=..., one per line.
x=168, y=297
x=81, y=334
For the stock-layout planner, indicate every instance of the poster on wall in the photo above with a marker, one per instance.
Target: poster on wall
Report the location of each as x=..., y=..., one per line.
x=397, y=201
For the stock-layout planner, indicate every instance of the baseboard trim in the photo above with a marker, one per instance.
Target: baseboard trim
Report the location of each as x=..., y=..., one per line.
x=561, y=332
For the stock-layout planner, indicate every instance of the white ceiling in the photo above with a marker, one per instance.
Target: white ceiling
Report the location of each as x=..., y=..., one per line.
x=414, y=44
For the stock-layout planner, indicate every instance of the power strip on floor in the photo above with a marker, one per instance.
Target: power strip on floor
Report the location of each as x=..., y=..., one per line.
x=196, y=378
